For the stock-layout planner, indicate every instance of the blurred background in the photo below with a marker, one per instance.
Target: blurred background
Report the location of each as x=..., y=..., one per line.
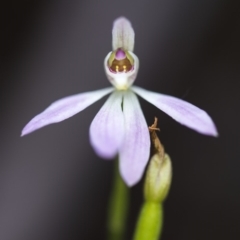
x=52, y=185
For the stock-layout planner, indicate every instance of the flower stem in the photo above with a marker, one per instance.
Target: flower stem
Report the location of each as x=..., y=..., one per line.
x=150, y=222
x=118, y=207
x=156, y=187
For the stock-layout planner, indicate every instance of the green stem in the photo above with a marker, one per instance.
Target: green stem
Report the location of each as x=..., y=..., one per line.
x=150, y=221
x=118, y=207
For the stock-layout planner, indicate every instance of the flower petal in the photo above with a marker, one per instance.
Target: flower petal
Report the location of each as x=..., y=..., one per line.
x=134, y=153
x=107, y=128
x=64, y=108
x=122, y=34
x=183, y=112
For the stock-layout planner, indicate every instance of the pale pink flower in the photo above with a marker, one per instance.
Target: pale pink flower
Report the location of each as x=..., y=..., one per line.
x=120, y=127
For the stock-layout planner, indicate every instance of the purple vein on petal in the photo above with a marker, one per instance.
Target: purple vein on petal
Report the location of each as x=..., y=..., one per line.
x=181, y=111
x=64, y=108
x=134, y=153
x=107, y=128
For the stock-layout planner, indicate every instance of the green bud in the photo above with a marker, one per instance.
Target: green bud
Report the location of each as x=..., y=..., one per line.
x=158, y=178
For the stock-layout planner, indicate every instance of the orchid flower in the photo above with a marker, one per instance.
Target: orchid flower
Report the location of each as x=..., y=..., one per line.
x=120, y=127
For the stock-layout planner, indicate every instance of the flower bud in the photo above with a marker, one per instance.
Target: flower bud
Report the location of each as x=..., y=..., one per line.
x=158, y=178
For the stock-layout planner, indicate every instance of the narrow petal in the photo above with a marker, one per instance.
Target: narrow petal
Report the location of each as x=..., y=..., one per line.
x=134, y=153
x=64, y=108
x=183, y=112
x=107, y=128
x=122, y=34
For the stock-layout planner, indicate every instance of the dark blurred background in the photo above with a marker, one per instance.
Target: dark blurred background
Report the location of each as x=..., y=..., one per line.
x=52, y=185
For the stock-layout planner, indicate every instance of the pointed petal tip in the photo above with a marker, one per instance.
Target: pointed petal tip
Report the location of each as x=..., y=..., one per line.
x=26, y=131
x=213, y=132
x=208, y=128
x=32, y=126
x=22, y=134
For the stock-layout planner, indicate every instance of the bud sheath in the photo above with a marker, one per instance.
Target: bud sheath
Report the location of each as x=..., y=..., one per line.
x=158, y=178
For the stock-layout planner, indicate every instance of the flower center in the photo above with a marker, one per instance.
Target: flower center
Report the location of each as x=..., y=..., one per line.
x=120, y=61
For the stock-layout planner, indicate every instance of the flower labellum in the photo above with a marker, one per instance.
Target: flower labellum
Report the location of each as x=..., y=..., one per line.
x=120, y=61
x=120, y=127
